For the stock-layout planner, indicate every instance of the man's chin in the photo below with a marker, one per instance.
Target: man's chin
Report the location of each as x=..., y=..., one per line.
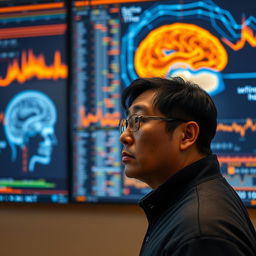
x=131, y=173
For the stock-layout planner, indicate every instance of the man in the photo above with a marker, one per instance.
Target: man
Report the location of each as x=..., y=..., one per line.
x=191, y=210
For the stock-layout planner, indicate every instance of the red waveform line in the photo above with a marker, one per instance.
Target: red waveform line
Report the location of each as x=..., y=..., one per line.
x=232, y=159
x=33, y=31
x=109, y=119
x=245, y=188
x=246, y=36
x=98, y=2
x=34, y=67
x=31, y=7
x=1, y=117
x=237, y=128
x=9, y=190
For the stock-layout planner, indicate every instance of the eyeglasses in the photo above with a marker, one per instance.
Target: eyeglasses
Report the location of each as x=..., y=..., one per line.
x=133, y=122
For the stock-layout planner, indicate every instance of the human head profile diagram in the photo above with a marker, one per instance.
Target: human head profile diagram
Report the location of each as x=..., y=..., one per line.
x=28, y=114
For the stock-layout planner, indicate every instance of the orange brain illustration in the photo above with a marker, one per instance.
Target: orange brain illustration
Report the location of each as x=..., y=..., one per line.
x=178, y=45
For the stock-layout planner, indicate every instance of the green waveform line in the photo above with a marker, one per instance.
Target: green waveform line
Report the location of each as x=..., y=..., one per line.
x=27, y=183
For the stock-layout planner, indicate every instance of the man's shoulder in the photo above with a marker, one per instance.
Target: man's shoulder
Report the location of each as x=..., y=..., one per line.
x=211, y=208
x=209, y=211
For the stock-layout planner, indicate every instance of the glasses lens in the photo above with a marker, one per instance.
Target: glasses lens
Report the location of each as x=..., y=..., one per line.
x=134, y=123
x=122, y=125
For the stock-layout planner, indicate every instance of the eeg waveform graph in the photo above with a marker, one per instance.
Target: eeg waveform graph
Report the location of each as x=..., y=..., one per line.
x=34, y=67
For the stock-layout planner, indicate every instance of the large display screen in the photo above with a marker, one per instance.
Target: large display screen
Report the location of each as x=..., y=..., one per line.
x=43, y=102
x=33, y=102
x=114, y=42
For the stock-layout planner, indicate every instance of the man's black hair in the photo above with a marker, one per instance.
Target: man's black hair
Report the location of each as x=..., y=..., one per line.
x=176, y=98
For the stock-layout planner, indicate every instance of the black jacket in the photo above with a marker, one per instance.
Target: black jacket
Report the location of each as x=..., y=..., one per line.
x=196, y=212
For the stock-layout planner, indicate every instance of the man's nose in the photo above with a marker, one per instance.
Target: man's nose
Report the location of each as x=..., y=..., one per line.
x=126, y=138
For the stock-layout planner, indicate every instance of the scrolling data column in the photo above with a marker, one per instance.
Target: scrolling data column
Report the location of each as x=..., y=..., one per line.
x=97, y=104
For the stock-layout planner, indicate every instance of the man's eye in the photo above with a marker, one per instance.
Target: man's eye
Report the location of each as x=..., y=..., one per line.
x=136, y=119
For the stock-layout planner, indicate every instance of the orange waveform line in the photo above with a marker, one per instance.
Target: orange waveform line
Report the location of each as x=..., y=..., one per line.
x=81, y=3
x=237, y=128
x=134, y=183
x=32, y=31
x=227, y=159
x=31, y=7
x=34, y=67
x=98, y=2
x=7, y=190
x=245, y=188
x=246, y=36
x=109, y=119
x=253, y=202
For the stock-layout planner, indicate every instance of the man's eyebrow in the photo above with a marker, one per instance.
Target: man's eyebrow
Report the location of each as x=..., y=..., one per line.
x=136, y=108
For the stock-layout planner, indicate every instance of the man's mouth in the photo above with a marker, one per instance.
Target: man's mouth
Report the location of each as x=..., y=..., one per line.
x=127, y=156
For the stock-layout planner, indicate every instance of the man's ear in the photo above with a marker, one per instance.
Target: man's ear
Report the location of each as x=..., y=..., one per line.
x=190, y=132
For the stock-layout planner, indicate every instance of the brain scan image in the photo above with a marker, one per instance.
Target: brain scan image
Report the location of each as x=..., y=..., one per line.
x=186, y=50
x=31, y=114
x=197, y=40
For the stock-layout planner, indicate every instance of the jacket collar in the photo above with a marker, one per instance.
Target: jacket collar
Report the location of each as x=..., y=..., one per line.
x=168, y=193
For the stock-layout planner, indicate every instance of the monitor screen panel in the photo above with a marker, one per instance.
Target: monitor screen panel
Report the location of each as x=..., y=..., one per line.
x=33, y=102
x=114, y=42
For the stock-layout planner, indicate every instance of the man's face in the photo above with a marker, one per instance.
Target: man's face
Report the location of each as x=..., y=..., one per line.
x=150, y=154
